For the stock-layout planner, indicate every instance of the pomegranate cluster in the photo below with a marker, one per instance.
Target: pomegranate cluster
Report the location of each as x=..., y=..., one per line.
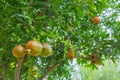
x=33, y=48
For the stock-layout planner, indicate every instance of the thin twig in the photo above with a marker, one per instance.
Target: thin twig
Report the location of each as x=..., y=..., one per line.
x=48, y=71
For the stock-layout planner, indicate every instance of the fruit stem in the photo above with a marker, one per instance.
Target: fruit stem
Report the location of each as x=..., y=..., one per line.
x=27, y=51
x=18, y=69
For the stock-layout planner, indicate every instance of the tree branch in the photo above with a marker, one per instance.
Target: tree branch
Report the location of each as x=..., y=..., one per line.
x=48, y=71
x=2, y=68
x=18, y=70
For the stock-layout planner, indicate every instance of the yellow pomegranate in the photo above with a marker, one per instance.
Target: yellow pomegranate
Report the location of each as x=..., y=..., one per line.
x=47, y=50
x=18, y=51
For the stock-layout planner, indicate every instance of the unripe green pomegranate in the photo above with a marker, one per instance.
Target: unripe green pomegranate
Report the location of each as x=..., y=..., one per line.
x=47, y=50
x=33, y=71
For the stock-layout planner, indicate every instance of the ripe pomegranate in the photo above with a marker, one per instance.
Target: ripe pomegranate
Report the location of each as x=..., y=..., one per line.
x=47, y=50
x=34, y=48
x=96, y=20
x=70, y=54
x=96, y=62
x=18, y=51
x=95, y=59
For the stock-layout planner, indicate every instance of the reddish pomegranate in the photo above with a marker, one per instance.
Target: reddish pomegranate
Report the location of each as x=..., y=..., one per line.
x=34, y=47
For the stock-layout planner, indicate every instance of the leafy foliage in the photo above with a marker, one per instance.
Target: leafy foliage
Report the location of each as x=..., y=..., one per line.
x=62, y=23
x=110, y=71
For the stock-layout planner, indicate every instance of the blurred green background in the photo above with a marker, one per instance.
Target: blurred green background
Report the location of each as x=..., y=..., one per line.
x=110, y=71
